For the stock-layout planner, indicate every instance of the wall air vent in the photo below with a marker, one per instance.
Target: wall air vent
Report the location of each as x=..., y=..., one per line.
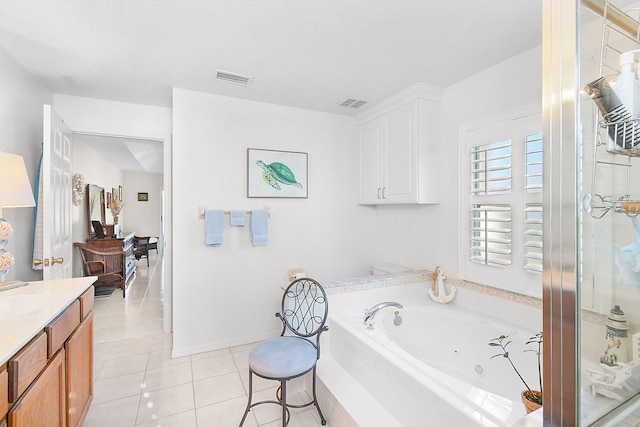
x=353, y=103
x=232, y=77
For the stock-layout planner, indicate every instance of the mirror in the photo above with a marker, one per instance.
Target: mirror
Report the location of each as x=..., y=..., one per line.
x=95, y=207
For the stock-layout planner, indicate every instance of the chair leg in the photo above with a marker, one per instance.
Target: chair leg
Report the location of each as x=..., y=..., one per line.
x=283, y=397
x=246, y=411
x=315, y=399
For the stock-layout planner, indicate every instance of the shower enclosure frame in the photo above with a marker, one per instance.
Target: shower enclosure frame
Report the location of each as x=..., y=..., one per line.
x=560, y=298
x=562, y=240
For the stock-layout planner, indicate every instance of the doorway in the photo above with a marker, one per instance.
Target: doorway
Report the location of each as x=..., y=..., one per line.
x=128, y=167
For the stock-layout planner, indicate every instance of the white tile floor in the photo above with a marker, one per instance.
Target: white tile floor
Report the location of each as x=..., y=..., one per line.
x=137, y=383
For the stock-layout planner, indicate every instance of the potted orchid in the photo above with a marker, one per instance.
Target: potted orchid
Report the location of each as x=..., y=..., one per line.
x=532, y=399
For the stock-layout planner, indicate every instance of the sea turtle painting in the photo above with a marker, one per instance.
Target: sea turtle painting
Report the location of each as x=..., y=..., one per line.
x=277, y=173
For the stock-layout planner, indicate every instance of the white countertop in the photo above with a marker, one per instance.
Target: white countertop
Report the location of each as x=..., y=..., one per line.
x=25, y=311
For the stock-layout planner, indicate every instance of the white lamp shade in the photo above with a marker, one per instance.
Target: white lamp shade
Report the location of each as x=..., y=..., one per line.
x=15, y=188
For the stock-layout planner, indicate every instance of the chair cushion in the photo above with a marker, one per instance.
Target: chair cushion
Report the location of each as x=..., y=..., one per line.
x=283, y=357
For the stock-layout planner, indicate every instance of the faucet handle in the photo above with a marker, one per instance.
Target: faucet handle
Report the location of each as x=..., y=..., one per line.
x=371, y=324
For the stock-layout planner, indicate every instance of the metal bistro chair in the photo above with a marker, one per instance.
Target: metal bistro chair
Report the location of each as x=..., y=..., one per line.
x=296, y=351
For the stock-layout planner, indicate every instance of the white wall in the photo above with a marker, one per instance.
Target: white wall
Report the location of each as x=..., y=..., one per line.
x=228, y=295
x=21, y=123
x=100, y=116
x=143, y=217
x=427, y=236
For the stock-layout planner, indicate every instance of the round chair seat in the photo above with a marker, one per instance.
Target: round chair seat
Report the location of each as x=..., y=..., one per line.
x=283, y=357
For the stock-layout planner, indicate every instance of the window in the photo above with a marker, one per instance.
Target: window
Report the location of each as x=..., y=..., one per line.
x=503, y=188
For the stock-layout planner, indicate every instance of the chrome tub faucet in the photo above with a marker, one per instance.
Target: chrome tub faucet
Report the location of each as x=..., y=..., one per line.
x=370, y=314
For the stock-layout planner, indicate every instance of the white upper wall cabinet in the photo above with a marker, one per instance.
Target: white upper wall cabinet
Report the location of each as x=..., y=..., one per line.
x=399, y=156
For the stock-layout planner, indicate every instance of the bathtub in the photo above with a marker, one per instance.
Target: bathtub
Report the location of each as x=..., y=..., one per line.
x=435, y=368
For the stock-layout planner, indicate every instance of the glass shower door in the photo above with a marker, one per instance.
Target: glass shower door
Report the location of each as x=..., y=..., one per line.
x=608, y=214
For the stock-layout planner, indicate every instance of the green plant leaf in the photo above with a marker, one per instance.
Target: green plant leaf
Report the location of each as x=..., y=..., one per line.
x=494, y=344
x=506, y=354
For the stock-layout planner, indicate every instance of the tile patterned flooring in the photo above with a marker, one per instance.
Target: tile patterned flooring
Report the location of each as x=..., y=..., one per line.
x=137, y=383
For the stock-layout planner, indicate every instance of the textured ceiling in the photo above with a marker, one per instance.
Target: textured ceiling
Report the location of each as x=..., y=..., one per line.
x=310, y=54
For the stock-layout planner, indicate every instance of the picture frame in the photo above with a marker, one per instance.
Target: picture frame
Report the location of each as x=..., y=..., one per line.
x=143, y=197
x=277, y=174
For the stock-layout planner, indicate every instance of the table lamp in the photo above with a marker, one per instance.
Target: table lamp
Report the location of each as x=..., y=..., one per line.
x=15, y=192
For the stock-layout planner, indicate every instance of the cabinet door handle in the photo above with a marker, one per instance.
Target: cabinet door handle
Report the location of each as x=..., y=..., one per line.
x=57, y=260
x=379, y=193
x=384, y=192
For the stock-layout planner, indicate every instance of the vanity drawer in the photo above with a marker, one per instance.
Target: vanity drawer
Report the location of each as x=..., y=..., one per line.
x=86, y=302
x=4, y=393
x=25, y=366
x=59, y=330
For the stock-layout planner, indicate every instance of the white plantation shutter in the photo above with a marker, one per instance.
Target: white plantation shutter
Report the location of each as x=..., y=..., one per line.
x=533, y=206
x=491, y=234
x=491, y=168
x=533, y=237
x=533, y=163
x=505, y=165
x=491, y=222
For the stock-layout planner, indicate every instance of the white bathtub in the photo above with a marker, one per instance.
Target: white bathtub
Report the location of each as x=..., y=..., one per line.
x=436, y=367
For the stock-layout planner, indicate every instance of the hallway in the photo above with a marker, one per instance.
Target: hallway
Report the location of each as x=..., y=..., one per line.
x=137, y=383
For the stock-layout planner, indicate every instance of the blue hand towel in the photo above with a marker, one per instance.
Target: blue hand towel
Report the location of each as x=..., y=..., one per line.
x=213, y=227
x=259, y=227
x=236, y=218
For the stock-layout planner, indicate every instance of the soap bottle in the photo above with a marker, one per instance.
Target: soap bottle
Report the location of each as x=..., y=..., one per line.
x=628, y=88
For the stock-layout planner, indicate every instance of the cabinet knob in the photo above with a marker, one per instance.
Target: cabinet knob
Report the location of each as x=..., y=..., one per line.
x=57, y=260
x=37, y=262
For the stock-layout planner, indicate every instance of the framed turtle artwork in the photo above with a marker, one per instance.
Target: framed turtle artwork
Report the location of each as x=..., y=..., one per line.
x=273, y=173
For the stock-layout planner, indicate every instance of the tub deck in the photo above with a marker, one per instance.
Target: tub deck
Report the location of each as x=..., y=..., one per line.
x=368, y=385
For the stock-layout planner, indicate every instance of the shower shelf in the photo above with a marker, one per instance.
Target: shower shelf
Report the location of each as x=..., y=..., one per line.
x=619, y=34
x=598, y=206
x=624, y=137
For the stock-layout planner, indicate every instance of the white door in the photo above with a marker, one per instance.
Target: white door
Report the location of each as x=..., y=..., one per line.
x=56, y=185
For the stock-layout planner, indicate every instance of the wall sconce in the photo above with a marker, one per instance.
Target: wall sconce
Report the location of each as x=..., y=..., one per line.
x=15, y=192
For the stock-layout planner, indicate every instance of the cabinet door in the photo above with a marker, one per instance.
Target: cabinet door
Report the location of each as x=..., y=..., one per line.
x=370, y=191
x=401, y=155
x=43, y=404
x=4, y=393
x=80, y=372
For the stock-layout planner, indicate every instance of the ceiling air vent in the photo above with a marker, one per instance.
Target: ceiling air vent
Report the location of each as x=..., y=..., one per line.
x=353, y=103
x=231, y=77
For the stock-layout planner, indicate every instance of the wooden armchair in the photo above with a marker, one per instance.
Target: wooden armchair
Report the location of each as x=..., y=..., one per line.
x=141, y=247
x=107, y=263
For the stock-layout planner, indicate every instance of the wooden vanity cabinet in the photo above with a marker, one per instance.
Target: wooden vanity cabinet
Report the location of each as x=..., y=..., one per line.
x=62, y=390
x=43, y=404
x=79, y=351
x=4, y=394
